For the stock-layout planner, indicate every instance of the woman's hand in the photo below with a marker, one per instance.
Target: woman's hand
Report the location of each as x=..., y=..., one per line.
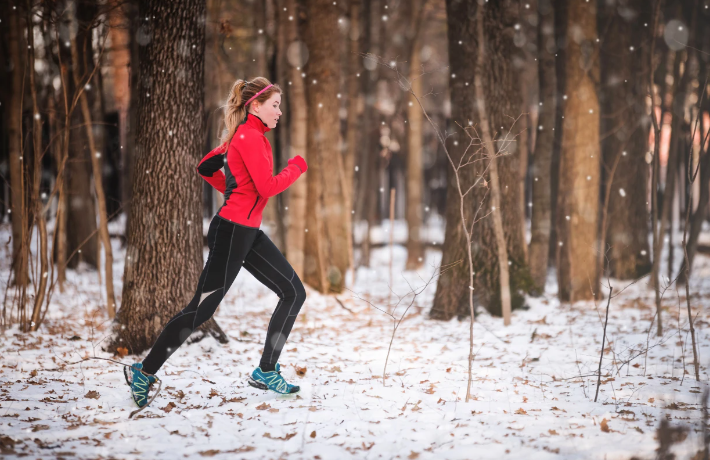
x=300, y=162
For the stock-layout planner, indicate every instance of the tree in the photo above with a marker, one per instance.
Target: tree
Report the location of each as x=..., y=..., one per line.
x=578, y=196
x=165, y=241
x=298, y=130
x=19, y=193
x=625, y=124
x=415, y=165
x=327, y=232
x=502, y=101
x=541, y=222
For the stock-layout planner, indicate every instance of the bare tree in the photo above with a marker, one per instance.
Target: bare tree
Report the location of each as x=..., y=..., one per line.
x=578, y=196
x=502, y=98
x=169, y=141
x=541, y=222
x=326, y=257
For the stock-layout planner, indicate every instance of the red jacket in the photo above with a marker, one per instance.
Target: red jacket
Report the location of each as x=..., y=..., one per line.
x=247, y=181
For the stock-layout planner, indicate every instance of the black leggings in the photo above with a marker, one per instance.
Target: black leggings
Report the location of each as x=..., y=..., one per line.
x=232, y=245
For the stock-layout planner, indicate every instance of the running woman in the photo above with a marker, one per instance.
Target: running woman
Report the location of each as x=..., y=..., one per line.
x=235, y=239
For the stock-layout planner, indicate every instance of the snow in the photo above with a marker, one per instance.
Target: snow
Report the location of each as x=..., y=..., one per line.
x=533, y=382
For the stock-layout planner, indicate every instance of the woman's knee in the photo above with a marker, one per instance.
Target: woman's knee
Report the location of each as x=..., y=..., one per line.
x=299, y=291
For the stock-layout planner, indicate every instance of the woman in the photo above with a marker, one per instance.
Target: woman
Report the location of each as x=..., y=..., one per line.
x=234, y=237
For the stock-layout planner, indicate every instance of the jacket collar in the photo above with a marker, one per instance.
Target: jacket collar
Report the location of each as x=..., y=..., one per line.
x=257, y=123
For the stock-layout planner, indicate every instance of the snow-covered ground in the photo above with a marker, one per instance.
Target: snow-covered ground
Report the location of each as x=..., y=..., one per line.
x=533, y=384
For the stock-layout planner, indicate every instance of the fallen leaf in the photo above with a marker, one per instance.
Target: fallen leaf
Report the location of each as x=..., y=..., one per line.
x=651, y=400
x=605, y=425
x=33, y=373
x=273, y=410
x=301, y=371
x=552, y=432
x=313, y=434
x=213, y=393
x=263, y=406
x=415, y=454
x=92, y=394
x=521, y=411
x=171, y=405
x=285, y=438
x=122, y=351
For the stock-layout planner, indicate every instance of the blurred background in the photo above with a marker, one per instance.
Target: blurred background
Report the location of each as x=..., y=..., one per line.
x=573, y=132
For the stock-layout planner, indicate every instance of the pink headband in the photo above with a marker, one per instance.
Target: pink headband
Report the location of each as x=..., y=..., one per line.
x=254, y=96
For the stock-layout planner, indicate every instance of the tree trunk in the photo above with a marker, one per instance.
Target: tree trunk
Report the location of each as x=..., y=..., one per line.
x=169, y=139
x=415, y=166
x=624, y=65
x=94, y=134
x=368, y=169
x=578, y=196
x=326, y=257
x=40, y=218
x=81, y=218
x=501, y=87
x=541, y=222
x=298, y=125
x=18, y=207
x=560, y=7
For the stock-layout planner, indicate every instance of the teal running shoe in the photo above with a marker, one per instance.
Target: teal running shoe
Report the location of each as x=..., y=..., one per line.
x=139, y=382
x=271, y=380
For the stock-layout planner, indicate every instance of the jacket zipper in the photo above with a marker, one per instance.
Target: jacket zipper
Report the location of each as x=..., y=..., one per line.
x=252, y=208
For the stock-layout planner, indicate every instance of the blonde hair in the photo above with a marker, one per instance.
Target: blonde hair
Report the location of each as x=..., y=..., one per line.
x=235, y=112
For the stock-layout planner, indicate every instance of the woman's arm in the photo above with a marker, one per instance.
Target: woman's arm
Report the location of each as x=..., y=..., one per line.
x=256, y=159
x=210, y=168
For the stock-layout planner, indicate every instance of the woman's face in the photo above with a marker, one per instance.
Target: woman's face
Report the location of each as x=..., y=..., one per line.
x=269, y=111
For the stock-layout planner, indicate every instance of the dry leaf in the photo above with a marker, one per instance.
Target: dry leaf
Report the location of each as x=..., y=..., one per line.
x=301, y=371
x=263, y=406
x=521, y=411
x=213, y=393
x=92, y=395
x=651, y=400
x=552, y=432
x=273, y=410
x=285, y=438
x=413, y=455
x=605, y=426
x=313, y=434
x=169, y=407
x=122, y=351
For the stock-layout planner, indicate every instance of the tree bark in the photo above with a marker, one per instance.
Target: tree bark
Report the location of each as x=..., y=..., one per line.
x=326, y=256
x=298, y=130
x=368, y=169
x=166, y=216
x=541, y=222
x=415, y=166
x=560, y=7
x=40, y=219
x=19, y=214
x=501, y=87
x=95, y=149
x=624, y=66
x=81, y=218
x=578, y=196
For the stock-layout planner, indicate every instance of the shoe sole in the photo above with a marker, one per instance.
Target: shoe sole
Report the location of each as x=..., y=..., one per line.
x=262, y=386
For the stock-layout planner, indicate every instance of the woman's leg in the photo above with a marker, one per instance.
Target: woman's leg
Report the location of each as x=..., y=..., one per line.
x=269, y=266
x=229, y=244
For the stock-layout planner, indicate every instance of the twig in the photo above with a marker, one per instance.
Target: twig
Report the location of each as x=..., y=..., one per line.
x=601, y=356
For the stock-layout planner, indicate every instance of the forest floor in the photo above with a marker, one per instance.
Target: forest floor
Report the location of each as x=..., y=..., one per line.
x=533, y=383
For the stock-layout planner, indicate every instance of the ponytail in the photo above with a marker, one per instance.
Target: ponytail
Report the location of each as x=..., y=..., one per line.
x=236, y=112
